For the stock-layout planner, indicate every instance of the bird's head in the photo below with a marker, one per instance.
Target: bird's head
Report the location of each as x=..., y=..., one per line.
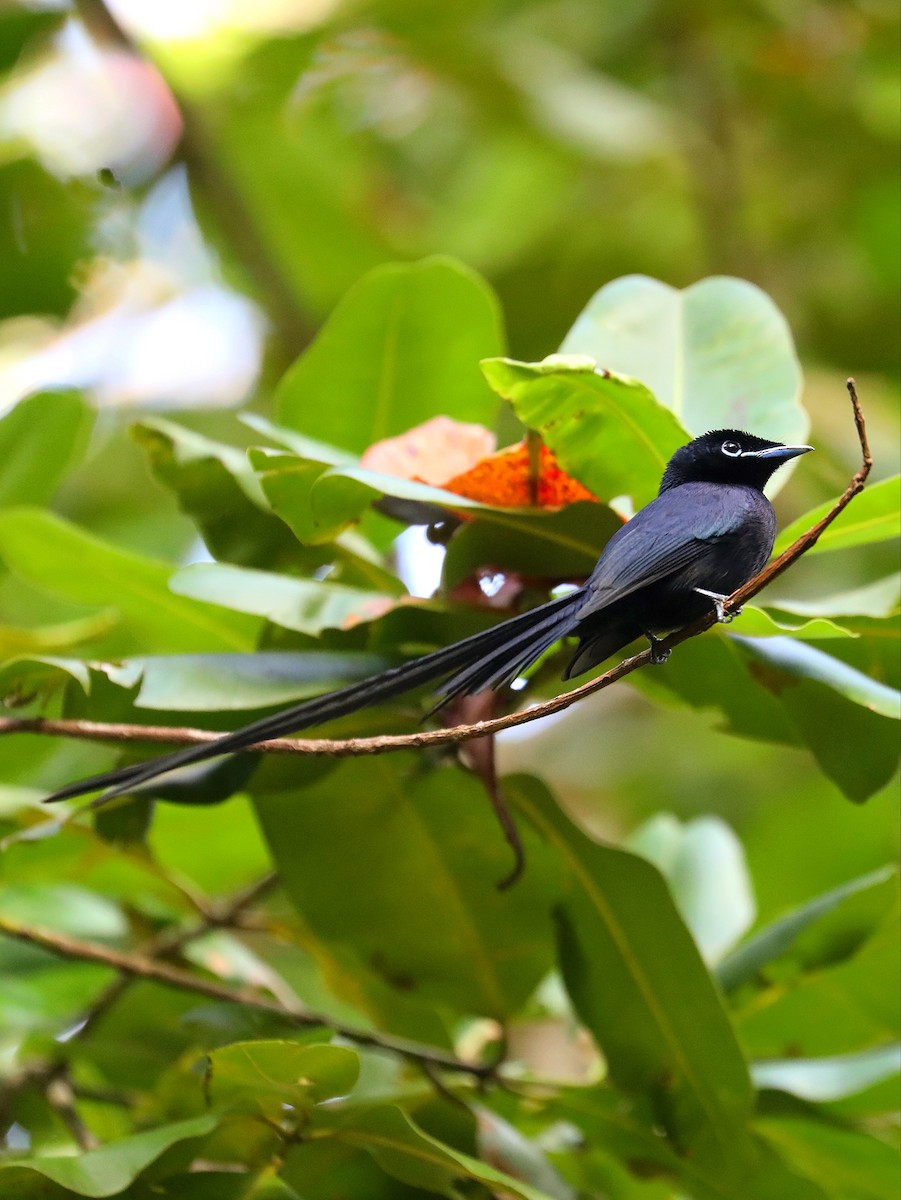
x=728, y=456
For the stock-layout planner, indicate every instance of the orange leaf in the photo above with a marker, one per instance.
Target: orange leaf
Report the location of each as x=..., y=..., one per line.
x=514, y=479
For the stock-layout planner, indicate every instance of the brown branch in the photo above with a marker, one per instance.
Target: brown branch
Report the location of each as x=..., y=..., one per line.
x=355, y=747
x=170, y=941
x=141, y=966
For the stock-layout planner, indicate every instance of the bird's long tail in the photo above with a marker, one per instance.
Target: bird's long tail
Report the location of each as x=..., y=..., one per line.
x=486, y=659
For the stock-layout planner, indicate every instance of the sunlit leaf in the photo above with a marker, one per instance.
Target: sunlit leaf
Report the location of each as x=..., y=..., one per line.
x=306, y=605
x=794, y=658
x=872, y=516
x=106, y=1171
x=607, y=430
x=383, y=362
x=75, y=565
x=719, y=353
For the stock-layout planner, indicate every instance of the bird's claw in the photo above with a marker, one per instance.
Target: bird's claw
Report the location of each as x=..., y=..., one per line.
x=659, y=654
x=718, y=603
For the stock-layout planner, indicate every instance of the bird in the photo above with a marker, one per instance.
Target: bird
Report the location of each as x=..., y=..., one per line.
x=708, y=531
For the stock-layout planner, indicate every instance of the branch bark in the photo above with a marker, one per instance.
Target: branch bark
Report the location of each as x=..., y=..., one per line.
x=456, y=734
x=141, y=966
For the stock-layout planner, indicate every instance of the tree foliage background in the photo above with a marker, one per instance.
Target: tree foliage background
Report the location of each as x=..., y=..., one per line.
x=693, y=989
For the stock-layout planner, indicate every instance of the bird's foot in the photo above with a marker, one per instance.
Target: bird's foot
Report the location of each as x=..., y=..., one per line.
x=659, y=655
x=718, y=601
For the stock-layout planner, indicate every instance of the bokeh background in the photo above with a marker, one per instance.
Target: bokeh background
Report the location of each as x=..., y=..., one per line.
x=187, y=188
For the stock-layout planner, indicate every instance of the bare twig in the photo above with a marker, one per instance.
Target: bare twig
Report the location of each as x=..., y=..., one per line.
x=141, y=966
x=354, y=747
x=170, y=941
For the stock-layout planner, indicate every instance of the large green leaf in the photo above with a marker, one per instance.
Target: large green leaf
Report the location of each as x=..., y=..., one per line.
x=106, y=1171
x=40, y=440
x=217, y=488
x=719, y=353
x=236, y=682
x=639, y=984
x=872, y=516
x=306, y=605
x=847, y=719
x=838, y=1008
x=402, y=345
x=774, y=940
x=794, y=658
x=73, y=564
x=607, y=430
x=430, y=921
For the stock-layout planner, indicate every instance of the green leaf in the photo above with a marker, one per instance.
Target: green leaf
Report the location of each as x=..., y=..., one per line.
x=848, y=1165
x=833, y=1078
x=217, y=488
x=807, y=662
x=776, y=939
x=237, y=682
x=265, y=1076
x=430, y=922
x=718, y=354
x=302, y=604
x=838, y=1008
x=882, y=598
x=402, y=345
x=757, y=622
x=106, y=1171
x=304, y=447
x=872, y=516
x=638, y=982
x=704, y=864
x=319, y=501
x=40, y=439
x=607, y=430
x=836, y=709
x=73, y=564
x=409, y=1154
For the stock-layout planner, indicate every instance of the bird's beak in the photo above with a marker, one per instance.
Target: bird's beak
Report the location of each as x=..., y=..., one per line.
x=784, y=453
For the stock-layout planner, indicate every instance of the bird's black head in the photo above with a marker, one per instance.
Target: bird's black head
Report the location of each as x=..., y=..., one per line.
x=728, y=456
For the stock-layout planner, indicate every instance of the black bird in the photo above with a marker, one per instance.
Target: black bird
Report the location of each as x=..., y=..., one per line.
x=709, y=530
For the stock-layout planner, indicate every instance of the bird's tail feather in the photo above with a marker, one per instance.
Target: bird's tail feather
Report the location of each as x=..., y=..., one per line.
x=485, y=659
x=596, y=649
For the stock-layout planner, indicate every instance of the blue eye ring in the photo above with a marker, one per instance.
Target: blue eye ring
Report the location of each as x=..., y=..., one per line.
x=732, y=449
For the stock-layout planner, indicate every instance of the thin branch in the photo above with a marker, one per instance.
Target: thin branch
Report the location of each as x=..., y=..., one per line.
x=140, y=966
x=355, y=747
x=169, y=942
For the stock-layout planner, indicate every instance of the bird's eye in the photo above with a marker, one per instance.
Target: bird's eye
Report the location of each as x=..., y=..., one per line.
x=731, y=448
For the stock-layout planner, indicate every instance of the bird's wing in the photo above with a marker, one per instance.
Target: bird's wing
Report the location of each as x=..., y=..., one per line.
x=666, y=536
